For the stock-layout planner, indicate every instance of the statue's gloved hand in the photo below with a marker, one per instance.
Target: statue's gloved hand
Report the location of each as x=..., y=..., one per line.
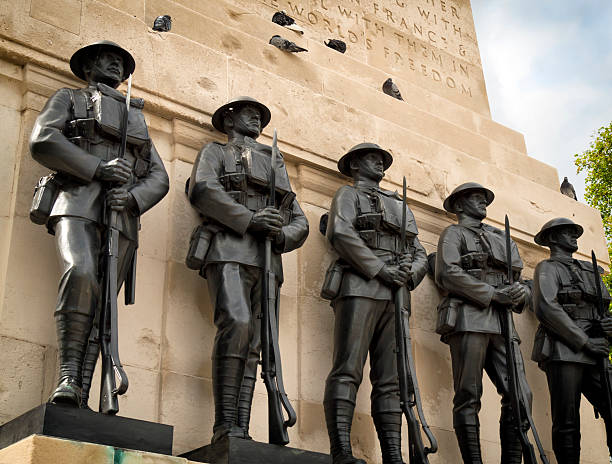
x=517, y=293
x=597, y=347
x=502, y=298
x=606, y=326
x=120, y=198
x=267, y=221
x=393, y=275
x=405, y=262
x=115, y=170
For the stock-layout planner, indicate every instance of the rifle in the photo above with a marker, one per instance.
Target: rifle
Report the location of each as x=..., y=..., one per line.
x=271, y=370
x=109, y=336
x=409, y=388
x=519, y=407
x=604, y=363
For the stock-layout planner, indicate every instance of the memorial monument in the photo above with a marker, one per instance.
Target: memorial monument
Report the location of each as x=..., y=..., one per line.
x=322, y=103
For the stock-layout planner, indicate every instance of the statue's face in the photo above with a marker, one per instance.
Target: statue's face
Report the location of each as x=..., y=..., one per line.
x=247, y=121
x=106, y=68
x=565, y=238
x=473, y=204
x=369, y=165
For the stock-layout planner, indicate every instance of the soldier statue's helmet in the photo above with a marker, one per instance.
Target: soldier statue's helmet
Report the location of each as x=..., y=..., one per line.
x=449, y=202
x=344, y=163
x=234, y=104
x=541, y=237
x=79, y=58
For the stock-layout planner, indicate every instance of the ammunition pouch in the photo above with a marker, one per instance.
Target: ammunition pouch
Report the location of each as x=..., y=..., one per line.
x=581, y=311
x=45, y=194
x=333, y=279
x=447, y=315
x=382, y=241
x=474, y=261
x=81, y=132
x=571, y=296
x=368, y=221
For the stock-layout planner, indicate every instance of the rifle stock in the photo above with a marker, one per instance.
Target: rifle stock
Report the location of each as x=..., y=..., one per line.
x=271, y=370
x=409, y=388
x=519, y=407
x=109, y=338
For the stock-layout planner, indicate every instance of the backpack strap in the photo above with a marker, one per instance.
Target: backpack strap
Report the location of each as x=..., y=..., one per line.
x=81, y=105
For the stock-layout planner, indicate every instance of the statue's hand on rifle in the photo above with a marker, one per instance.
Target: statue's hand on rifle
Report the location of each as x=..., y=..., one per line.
x=393, y=275
x=120, y=198
x=597, y=347
x=269, y=222
x=606, y=326
x=116, y=170
x=517, y=293
x=502, y=298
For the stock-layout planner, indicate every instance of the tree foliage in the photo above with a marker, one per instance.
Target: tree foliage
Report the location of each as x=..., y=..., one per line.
x=596, y=162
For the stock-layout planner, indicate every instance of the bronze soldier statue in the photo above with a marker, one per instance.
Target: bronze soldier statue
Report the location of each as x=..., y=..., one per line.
x=78, y=136
x=364, y=229
x=229, y=186
x=572, y=338
x=471, y=269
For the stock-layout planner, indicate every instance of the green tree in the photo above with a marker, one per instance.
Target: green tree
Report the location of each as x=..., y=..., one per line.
x=596, y=162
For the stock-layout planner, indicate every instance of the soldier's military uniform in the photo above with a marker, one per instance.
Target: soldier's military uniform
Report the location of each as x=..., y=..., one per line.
x=364, y=229
x=228, y=184
x=470, y=266
x=75, y=131
x=565, y=302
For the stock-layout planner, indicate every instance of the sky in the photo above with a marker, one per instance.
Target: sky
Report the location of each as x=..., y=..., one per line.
x=548, y=72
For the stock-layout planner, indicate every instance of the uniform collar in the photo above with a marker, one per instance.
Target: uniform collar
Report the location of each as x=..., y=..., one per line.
x=366, y=187
x=564, y=259
x=471, y=222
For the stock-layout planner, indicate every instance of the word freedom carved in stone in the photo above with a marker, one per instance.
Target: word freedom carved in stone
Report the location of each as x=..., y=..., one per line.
x=432, y=38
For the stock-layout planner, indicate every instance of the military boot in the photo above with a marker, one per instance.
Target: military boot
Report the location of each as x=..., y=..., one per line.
x=89, y=365
x=566, y=446
x=227, y=378
x=339, y=418
x=389, y=430
x=511, y=449
x=245, y=401
x=468, y=437
x=72, y=334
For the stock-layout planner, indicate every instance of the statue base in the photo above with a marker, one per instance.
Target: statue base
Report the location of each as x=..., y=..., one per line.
x=239, y=451
x=88, y=426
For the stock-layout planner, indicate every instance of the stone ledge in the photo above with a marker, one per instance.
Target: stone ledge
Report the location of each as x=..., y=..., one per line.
x=38, y=449
x=84, y=425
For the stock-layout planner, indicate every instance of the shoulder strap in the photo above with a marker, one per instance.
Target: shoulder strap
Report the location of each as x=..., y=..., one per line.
x=473, y=243
x=566, y=275
x=363, y=203
x=229, y=159
x=80, y=100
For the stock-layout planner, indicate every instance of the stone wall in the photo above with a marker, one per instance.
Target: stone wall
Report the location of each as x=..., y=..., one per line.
x=322, y=103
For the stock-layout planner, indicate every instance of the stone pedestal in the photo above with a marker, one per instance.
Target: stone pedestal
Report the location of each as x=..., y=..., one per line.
x=38, y=449
x=239, y=451
x=88, y=426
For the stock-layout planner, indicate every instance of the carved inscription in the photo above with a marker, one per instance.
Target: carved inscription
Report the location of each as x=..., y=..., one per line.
x=427, y=39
